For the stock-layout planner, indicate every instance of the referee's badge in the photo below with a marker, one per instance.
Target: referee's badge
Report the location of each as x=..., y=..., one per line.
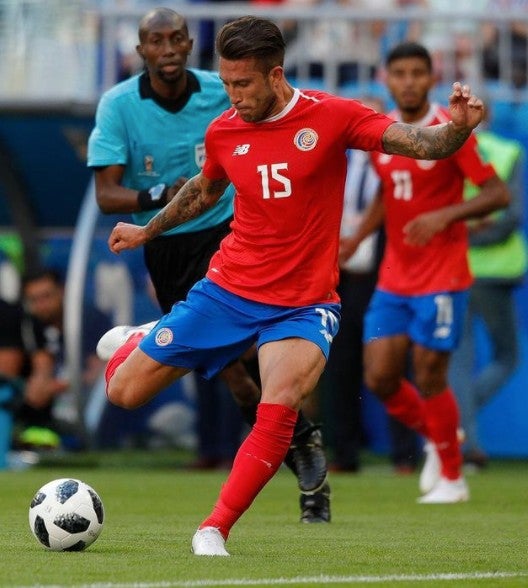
x=148, y=166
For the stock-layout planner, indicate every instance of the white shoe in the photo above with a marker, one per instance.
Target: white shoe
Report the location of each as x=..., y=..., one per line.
x=431, y=471
x=447, y=492
x=208, y=541
x=112, y=340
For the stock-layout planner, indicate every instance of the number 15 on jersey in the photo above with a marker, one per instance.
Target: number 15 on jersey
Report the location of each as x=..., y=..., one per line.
x=273, y=172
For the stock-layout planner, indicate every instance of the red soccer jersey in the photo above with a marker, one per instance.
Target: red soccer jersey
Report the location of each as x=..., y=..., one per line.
x=289, y=175
x=412, y=187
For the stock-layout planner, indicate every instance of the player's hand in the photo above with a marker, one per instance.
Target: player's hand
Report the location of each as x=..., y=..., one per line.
x=41, y=390
x=419, y=231
x=477, y=225
x=175, y=188
x=126, y=236
x=467, y=110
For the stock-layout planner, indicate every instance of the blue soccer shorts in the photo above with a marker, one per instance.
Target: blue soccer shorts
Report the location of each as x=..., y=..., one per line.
x=433, y=320
x=213, y=327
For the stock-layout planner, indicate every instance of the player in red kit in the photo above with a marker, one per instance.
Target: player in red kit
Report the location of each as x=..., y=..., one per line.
x=272, y=282
x=424, y=276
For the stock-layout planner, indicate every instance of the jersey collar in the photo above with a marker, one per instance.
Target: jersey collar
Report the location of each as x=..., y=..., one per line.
x=171, y=105
x=288, y=108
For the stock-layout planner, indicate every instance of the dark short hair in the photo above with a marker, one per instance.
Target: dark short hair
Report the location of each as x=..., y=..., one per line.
x=409, y=49
x=251, y=36
x=41, y=273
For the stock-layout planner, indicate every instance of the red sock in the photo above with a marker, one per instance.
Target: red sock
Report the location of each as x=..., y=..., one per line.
x=120, y=355
x=442, y=418
x=408, y=407
x=256, y=461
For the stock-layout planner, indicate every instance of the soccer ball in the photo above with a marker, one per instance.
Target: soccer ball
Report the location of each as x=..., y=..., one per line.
x=66, y=515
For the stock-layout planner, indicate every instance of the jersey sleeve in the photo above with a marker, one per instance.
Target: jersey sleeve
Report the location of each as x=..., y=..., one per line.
x=107, y=144
x=365, y=127
x=471, y=163
x=212, y=169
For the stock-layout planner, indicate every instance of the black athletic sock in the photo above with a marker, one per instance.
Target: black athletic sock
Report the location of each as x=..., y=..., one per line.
x=303, y=427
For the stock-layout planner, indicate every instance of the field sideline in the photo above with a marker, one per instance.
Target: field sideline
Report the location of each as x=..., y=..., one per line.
x=378, y=536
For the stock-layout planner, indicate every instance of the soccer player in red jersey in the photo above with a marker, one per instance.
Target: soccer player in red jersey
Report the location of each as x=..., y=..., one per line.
x=273, y=280
x=424, y=276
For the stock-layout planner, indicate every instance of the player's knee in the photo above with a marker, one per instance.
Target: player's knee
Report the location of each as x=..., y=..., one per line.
x=116, y=397
x=430, y=382
x=428, y=388
x=380, y=384
x=286, y=396
x=121, y=395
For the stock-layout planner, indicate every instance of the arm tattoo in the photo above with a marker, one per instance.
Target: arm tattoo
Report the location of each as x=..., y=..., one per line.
x=434, y=142
x=190, y=201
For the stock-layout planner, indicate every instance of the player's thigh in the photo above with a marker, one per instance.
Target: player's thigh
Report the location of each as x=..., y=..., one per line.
x=139, y=378
x=240, y=383
x=289, y=369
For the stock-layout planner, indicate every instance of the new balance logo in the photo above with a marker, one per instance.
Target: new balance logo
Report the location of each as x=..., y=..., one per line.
x=241, y=149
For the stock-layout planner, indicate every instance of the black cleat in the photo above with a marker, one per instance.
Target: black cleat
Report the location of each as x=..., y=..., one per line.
x=307, y=459
x=315, y=508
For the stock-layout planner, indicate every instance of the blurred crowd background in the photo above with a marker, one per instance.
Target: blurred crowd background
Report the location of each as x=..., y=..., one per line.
x=58, y=56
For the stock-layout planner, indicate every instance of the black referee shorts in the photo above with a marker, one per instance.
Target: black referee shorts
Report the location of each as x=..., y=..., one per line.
x=176, y=262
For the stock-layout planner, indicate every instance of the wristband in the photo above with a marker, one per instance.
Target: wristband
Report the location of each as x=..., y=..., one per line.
x=155, y=197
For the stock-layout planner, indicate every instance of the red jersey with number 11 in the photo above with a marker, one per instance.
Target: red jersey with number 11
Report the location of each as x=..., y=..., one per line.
x=289, y=176
x=412, y=187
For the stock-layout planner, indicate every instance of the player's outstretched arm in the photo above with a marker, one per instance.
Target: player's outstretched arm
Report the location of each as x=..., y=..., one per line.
x=195, y=197
x=438, y=141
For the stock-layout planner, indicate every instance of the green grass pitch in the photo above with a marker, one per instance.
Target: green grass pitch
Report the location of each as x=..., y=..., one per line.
x=378, y=536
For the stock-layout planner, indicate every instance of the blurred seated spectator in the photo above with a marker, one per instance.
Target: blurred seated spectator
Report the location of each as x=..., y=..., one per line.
x=12, y=357
x=452, y=42
x=11, y=369
x=506, y=45
x=48, y=414
x=354, y=48
x=406, y=29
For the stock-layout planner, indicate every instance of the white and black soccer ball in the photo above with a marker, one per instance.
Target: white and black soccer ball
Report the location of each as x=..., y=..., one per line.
x=66, y=515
